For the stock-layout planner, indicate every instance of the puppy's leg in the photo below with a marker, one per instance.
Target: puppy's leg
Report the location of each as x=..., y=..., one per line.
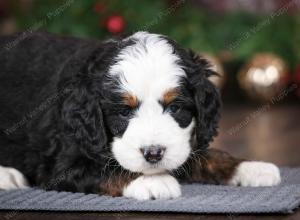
x=217, y=167
x=160, y=186
x=255, y=173
x=141, y=187
x=11, y=178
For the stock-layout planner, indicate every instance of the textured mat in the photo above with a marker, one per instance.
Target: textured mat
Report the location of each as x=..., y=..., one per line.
x=196, y=199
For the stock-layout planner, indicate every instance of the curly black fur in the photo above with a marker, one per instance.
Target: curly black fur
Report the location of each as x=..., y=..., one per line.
x=56, y=103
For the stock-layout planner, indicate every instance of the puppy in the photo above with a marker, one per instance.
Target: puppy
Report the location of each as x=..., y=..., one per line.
x=130, y=117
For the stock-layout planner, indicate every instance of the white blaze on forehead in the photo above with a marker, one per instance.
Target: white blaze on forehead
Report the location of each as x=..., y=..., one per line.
x=148, y=67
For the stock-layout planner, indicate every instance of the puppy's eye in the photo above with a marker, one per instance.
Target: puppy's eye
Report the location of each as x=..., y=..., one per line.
x=174, y=108
x=125, y=112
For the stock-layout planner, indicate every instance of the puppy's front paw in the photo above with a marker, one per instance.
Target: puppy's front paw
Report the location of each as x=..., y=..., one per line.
x=153, y=187
x=11, y=178
x=256, y=174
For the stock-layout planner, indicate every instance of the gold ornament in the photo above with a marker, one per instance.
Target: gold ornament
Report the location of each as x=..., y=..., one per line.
x=263, y=77
x=218, y=80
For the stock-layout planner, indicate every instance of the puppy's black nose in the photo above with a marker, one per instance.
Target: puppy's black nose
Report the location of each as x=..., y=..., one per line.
x=153, y=154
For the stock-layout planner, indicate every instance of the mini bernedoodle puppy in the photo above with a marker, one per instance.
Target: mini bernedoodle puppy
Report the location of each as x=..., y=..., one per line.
x=130, y=116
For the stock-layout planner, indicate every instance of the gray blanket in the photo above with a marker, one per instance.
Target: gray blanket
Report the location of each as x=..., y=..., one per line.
x=196, y=199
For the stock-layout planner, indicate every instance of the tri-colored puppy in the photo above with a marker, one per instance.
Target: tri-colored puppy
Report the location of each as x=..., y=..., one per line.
x=131, y=116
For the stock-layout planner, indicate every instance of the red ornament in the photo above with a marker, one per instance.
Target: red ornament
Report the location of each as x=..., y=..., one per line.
x=115, y=24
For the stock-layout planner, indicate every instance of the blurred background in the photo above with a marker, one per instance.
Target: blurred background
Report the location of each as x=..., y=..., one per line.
x=254, y=45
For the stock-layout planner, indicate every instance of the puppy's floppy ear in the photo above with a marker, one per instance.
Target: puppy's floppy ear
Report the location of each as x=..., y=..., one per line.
x=206, y=98
x=81, y=112
x=82, y=118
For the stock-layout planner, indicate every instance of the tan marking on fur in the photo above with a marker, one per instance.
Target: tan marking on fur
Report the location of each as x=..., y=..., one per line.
x=130, y=100
x=169, y=96
x=213, y=167
x=114, y=185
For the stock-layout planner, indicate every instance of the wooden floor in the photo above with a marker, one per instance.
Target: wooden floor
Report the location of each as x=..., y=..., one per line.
x=262, y=132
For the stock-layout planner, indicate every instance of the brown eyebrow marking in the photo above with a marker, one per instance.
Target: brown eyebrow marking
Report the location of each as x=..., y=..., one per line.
x=170, y=95
x=130, y=100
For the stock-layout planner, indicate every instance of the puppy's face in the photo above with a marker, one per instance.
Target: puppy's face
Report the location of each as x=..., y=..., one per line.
x=149, y=108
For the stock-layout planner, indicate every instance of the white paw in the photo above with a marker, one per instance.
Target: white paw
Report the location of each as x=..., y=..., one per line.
x=161, y=186
x=256, y=174
x=11, y=178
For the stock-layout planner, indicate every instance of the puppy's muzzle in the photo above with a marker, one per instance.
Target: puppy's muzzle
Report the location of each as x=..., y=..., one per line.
x=153, y=154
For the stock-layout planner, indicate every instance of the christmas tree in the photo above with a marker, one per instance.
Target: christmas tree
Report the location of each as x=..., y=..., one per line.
x=232, y=30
